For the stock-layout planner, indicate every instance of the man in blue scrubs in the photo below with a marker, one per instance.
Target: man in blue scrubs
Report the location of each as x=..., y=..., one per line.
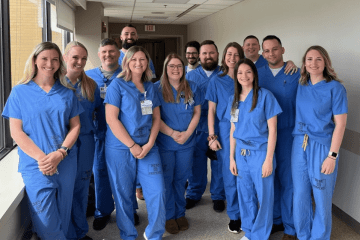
x=251, y=48
x=128, y=39
x=209, y=58
x=192, y=55
x=103, y=76
x=284, y=87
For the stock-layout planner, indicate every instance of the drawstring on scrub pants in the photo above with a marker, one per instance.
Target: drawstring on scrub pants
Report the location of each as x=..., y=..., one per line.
x=305, y=142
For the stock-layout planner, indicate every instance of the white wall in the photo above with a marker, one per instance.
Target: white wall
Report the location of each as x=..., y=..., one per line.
x=332, y=24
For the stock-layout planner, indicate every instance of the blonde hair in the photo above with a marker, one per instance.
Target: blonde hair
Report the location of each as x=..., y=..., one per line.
x=30, y=70
x=165, y=84
x=87, y=85
x=329, y=72
x=126, y=72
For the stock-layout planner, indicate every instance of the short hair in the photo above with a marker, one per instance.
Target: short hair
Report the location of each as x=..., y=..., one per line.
x=128, y=25
x=251, y=36
x=108, y=41
x=31, y=70
x=126, y=72
x=224, y=67
x=194, y=44
x=329, y=72
x=208, y=42
x=271, y=37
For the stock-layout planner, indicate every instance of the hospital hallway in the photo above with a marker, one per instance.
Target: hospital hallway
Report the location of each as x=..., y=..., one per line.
x=205, y=223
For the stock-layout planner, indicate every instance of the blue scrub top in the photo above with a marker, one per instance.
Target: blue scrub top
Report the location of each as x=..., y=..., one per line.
x=251, y=130
x=186, y=68
x=177, y=116
x=86, y=117
x=219, y=91
x=284, y=88
x=122, y=55
x=202, y=81
x=315, y=107
x=260, y=62
x=101, y=81
x=125, y=96
x=45, y=116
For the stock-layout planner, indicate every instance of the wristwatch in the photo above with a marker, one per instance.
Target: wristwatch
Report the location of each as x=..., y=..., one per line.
x=333, y=154
x=67, y=150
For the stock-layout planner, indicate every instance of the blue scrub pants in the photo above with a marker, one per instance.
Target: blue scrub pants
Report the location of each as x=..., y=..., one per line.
x=256, y=194
x=283, y=184
x=198, y=176
x=123, y=169
x=307, y=177
x=50, y=199
x=85, y=157
x=176, y=168
x=230, y=184
x=104, y=202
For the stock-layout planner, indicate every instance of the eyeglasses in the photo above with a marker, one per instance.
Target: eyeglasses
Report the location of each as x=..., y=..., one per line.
x=172, y=67
x=192, y=53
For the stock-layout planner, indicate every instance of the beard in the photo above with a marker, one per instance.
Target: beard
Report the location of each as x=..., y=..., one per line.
x=209, y=66
x=126, y=45
x=192, y=61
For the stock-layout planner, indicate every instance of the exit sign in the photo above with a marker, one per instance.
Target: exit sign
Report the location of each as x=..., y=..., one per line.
x=149, y=28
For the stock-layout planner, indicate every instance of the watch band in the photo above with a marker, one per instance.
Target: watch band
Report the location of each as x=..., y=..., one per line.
x=333, y=154
x=67, y=150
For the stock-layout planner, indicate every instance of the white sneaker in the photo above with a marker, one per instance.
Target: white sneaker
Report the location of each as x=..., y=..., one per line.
x=145, y=236
x=244, y=238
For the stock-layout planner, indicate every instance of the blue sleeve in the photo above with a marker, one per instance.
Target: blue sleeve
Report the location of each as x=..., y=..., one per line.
x=228, y=109
x=156, y=100
x=12, y=106
x=113, y=94
x=271, y=105
x=197, y=95
x=76, y=107
x=340, y=101
x=211, y=91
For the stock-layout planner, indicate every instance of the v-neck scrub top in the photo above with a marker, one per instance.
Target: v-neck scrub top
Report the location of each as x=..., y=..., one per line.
x=125, y=96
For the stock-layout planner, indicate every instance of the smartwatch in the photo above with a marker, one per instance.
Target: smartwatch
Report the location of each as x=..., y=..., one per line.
x=333, y=154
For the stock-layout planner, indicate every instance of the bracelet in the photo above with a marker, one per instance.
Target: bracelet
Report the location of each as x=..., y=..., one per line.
x=332, y=158
x=212, y=137
x=212, y=142
x=133, y=145
x=63, y=154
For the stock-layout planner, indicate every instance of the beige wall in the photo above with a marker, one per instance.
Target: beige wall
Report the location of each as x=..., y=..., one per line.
x=332, y=24
x=88, y=30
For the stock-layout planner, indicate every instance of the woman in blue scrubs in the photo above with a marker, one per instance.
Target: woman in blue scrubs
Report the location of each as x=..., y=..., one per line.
x=133, y=118
x=88, y=94
x=321, y=113
x=180, y=114
x=44, y=122
x=219, y=90
x=253, y=114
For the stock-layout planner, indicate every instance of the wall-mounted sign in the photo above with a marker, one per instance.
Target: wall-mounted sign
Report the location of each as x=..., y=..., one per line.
x=149, y=28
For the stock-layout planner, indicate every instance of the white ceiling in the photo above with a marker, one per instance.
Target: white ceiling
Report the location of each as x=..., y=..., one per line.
x=161, y=11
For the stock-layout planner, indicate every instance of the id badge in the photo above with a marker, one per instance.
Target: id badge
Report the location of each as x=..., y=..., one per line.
x=234, y=116
x=191, y=101
x=103, y=91
x=146, y=107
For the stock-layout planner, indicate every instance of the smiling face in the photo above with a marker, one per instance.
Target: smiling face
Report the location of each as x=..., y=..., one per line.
x=174, y=69
x=138, y=63
x=47, y=63
x=314, y=63
x=251, y=48
x=231, y=57
x=245, y=76
x=192, y=55
x=75, y=60
x=128, y=37
x=273, y=53
x=209, y=57
x=109, y=56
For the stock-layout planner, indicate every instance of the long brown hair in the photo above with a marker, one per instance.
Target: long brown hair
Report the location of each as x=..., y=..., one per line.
x=126, y=72
x=165, y=84
x=224, y=67
x=87, y=85
x=329, y=72
x=238, y=87
x=30, y=70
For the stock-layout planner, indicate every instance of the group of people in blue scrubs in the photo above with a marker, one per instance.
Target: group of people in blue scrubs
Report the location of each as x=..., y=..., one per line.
x=278, y=144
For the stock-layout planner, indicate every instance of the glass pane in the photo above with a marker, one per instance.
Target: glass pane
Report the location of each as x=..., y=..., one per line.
x=57, y=34
x=25, y=33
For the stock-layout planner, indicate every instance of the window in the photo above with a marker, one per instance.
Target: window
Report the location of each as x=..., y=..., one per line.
x=24, y=24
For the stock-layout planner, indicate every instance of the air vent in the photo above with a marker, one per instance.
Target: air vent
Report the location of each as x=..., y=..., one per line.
x=155, y=17
x=158, y=13
x=188, y=10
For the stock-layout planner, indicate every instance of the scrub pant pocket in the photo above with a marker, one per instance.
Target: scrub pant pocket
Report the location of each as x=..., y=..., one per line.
x=256, y=194
x=307, y=178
